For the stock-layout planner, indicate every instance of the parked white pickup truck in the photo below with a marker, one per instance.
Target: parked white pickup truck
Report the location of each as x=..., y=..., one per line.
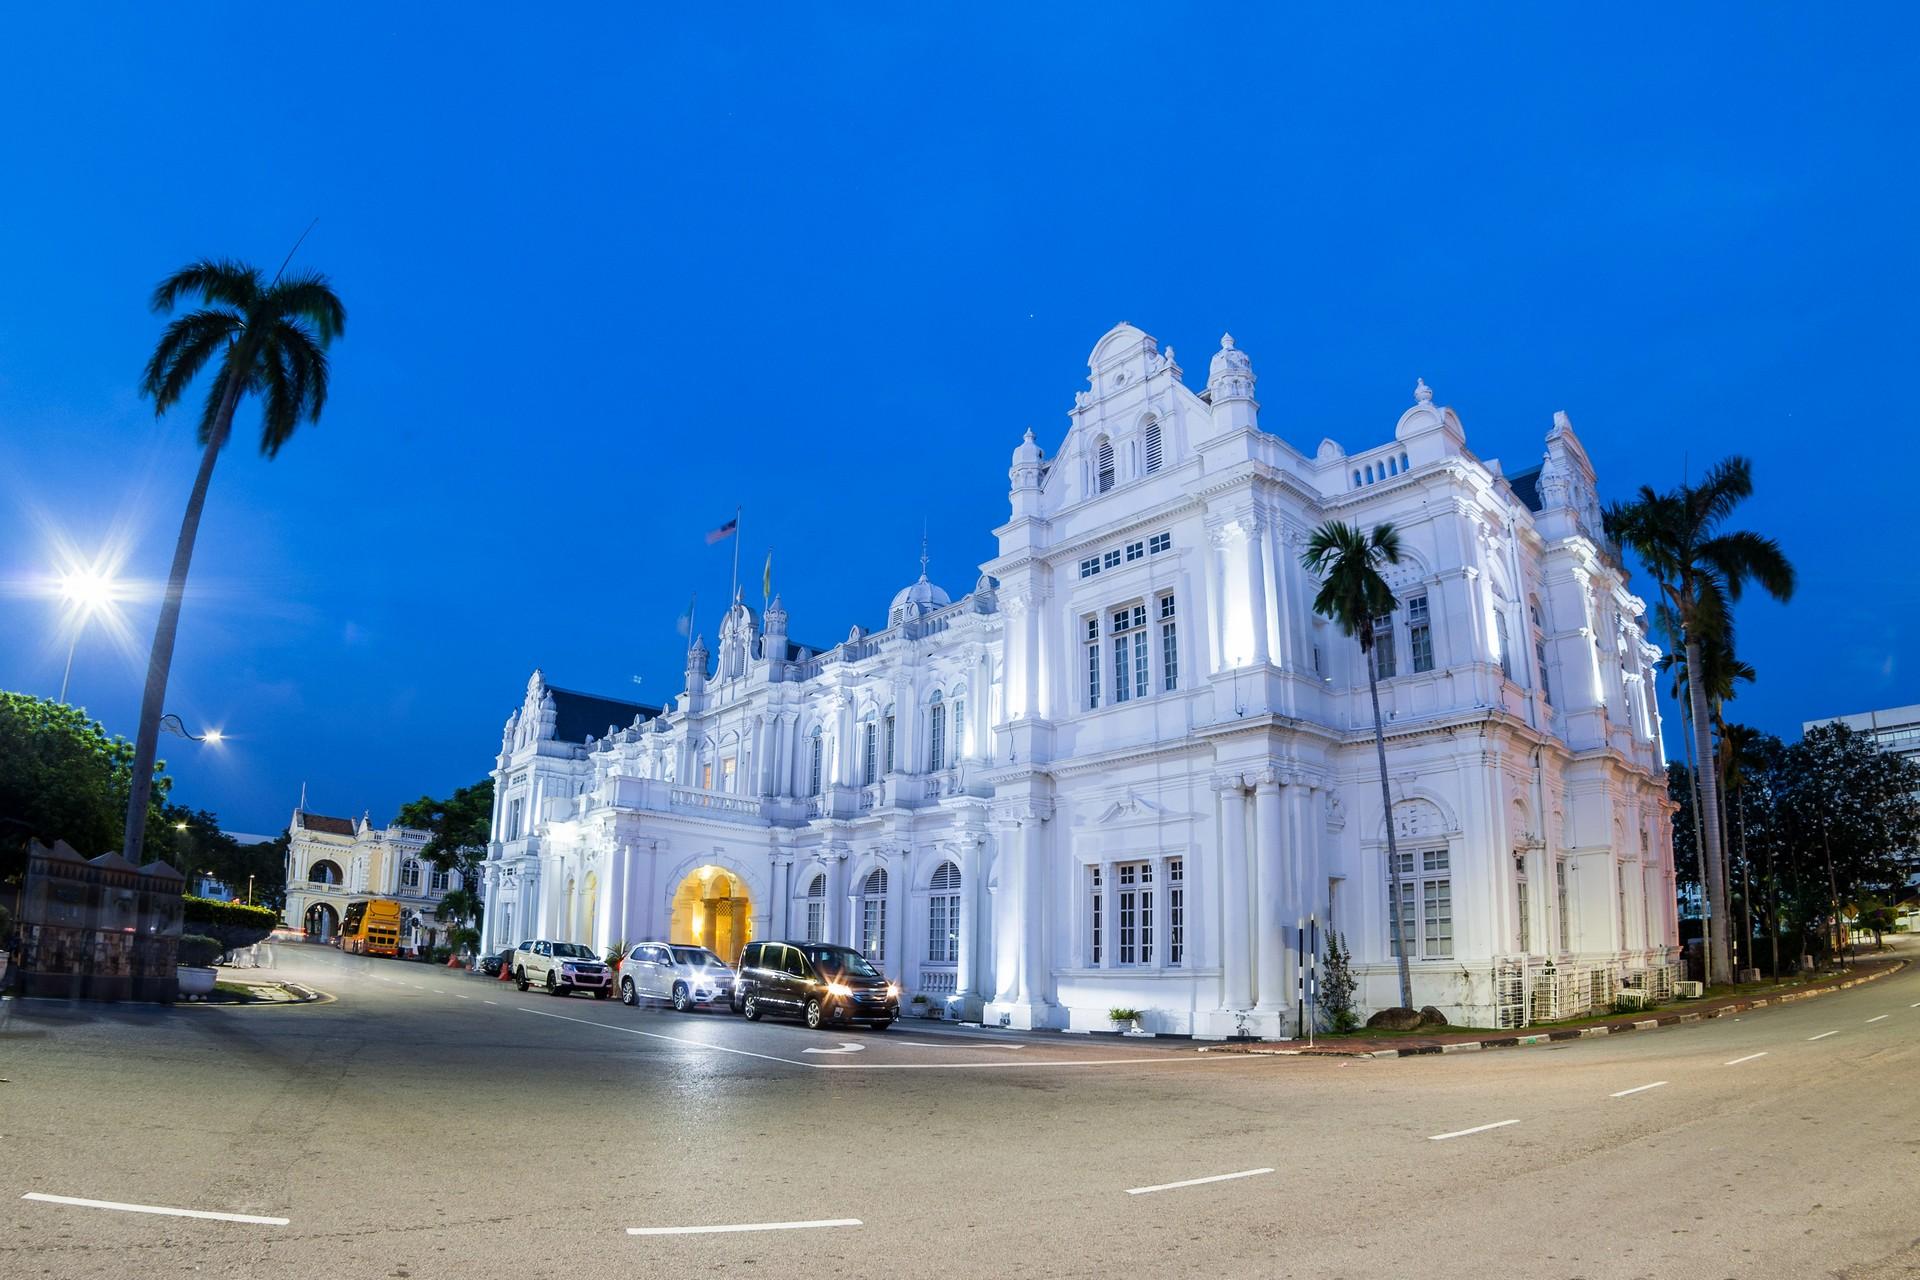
x=562, y=968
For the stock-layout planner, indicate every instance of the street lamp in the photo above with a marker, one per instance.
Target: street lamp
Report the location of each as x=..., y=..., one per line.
x=171, y=723
x=86, y=590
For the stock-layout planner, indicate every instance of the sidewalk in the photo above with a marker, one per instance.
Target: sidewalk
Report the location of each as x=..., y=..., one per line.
x=1414, y=1044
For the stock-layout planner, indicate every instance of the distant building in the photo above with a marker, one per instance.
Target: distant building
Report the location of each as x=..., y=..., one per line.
x=1896, y=729
x=334, y=861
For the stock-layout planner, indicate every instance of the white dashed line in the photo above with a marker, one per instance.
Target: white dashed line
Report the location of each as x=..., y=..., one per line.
x=154, y=1208
x=490, y=1002
x=1822, y=1036
x=1639, y=1088
x=744, y=1226
x=1196, y=1182
x=1749, y=1058
x=463, y=996
x=437, y=991
x=1479, y=1128
x=1881, y=1018
x=927, y=1044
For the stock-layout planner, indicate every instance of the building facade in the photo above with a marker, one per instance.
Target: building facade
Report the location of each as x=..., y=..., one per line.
x=1131, y=763
x=333, y=861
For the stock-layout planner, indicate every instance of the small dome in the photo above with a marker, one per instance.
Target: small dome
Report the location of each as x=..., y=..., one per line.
x=1228, y=361
x=922, y=597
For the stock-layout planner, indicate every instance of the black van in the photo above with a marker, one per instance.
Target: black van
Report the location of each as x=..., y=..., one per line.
x=821, y=983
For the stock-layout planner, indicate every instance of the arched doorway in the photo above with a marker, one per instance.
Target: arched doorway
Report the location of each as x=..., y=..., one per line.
x=711, y=910
x=325, y=871
x=322, y=921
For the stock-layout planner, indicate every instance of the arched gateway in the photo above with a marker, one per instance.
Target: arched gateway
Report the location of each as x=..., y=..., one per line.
x=711, y=909
x=322, y=922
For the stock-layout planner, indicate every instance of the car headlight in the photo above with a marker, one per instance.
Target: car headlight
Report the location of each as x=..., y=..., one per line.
x=893, y=992
x=839, y=989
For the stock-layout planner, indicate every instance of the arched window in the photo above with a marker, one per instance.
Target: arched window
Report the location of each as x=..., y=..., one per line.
x=410, y=874
x=1403, y=462
x=873, y=915
x=813, y=766
x=325, y=872
x=936, y=734
x=887, y=735
x=1103, y=465
x=1153, y=446
x=1369, y=473
x=869, y=750
x=817, y=909
x=943, y=915
x=1356, y=479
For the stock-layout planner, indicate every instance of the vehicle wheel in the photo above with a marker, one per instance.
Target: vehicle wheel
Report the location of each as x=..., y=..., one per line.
x=553, y=988
x=627, y=994
x=682, y=1001
x=520, y=978
x=816, y=1013
x=751, y=1008
x=881, y=1026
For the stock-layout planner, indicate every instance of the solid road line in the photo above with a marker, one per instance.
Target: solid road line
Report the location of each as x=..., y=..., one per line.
x=1461, y=1133
x=1882, y=1017
x=1822, y=1036
x=1639, y=1088
x=155, y=1208
x=1196, y=1182
x=1749, y=1058
x=744, y=1226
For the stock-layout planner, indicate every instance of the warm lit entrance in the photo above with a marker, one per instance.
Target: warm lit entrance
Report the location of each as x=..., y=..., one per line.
x=711, y=910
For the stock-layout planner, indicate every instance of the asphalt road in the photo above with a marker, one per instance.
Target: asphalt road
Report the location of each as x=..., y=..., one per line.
x=426, y=1123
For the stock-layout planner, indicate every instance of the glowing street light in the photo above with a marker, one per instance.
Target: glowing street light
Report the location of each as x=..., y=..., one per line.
x=86, y=592
x=171, y=723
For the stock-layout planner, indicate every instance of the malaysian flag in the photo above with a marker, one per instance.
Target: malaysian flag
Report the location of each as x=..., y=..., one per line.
x=724, y=532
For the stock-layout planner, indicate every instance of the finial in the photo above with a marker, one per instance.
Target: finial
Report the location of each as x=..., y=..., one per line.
x=1422, y=392
x=1029, y=436
x=1226, y=342
x=923, y=546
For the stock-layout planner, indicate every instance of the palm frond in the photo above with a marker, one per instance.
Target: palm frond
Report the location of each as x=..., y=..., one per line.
x=1740, y=555
x=183, y=351
x=308, y=296
x=1725, y=485
x=222, y=281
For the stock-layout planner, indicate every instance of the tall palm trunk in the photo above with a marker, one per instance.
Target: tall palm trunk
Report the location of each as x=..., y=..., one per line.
x=1396, y=909
x=1699, y=844
x=1719, y=967
x=1746, y=881
x=160, y=664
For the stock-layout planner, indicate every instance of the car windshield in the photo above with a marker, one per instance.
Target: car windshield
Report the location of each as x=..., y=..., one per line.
x=842, y=960
x=572, y=951
x=698, y=957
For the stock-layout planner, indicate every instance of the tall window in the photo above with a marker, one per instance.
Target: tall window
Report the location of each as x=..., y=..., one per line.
x=817, y=909
x=873, y=915
x=514, y=810
x=1177, y=911
x=959, y=728
x=1169, y=646
x=1130, y=652
x=816, y=751
x=869, y=750
x=437, y=880
x=943, y=915
x=888, y=733
x=1560, y=891
x=410, y=874
x=1500, y=638
x=1521, y=932
x=1422, y=900
x=1093, y=663
x=1153, y=447
x=936, y=735
x=1103, y=466
x=1383, y=660
x=1419, y=632
x=1096, y=917
x=727, y=766
x=1540, y=656
x=1133, y=912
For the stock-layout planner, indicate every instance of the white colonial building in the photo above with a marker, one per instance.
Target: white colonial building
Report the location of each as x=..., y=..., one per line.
x=1128, y=765
x=333, y=861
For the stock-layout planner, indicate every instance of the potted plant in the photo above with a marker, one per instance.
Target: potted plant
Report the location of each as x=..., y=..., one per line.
x=923, y=1007
x=198, y=954
x=1124, y=1019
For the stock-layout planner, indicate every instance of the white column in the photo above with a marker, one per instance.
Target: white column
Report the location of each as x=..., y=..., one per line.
x=1032, y=985
x=1257, y=590
x=1236, y=956
x=965, y=980
x=900, y=934
x=1273, y=919
x=1004, y=981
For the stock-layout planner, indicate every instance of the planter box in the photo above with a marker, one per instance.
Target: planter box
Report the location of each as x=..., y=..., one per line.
x=196, y=982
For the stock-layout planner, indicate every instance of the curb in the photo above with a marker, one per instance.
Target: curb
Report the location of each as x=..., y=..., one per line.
x=1616, y=1028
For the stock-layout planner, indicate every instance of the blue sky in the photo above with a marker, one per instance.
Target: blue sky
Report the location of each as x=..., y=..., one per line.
x=611, y=275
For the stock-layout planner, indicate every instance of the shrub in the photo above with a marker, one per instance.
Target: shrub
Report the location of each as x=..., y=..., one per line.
x=918, y=1000
x=198, y=951
x=1337, y=986
x=233, y=924
x=464, y=940
x=1123, y=1014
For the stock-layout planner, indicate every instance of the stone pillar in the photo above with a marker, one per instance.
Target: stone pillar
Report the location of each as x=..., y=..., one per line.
x=490, y=899
x=900, y=933
x=1274, y=921
x=1236, y=955
x=965, y=981
x=1257, y=588
x=1031, y=989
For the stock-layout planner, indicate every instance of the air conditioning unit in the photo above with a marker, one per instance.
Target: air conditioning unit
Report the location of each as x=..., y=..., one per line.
x=1689, y=990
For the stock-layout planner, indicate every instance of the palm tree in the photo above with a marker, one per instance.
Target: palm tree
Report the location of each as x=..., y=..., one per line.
x=1353, y=595
x=266, y=339
x=1700, y=568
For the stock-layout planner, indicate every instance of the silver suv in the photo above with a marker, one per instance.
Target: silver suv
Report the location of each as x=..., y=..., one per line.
x=562, y=968
x=685, y=976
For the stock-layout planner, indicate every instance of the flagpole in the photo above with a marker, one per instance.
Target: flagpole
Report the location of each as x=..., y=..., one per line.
x=736, y=559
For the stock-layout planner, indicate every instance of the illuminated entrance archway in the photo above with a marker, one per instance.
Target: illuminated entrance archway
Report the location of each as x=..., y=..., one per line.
x=322, y=921
x=711, y=910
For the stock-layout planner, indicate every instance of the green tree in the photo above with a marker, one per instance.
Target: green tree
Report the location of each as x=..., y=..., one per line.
x=267, y=339
x=459, y=826
x=63, y=777
x=1852, y=815
x=1701, y=568
x=1352, y=594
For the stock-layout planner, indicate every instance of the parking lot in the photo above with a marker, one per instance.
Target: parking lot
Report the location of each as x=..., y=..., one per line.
x=427, y=1122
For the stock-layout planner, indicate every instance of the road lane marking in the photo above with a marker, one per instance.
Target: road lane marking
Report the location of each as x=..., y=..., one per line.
x=1461, y=1133
x=655, y=1035
x=1639, y=1088
x=155, y=1208
x=1749, y=1058
x=743, y=1226
x=490, y=1002
x=1196, y=1182
x=927, y=1044
x=846, y=1046
x=437, y=991
x=1882, y=1017
x=1822, y=1036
